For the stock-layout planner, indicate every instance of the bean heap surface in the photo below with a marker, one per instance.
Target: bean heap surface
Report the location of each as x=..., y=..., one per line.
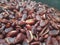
x=28, y=23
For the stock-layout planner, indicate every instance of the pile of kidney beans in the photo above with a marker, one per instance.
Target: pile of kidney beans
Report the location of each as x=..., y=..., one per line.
x=28, y=23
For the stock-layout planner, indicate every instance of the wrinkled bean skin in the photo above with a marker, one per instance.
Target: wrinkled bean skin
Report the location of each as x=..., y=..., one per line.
x=54, y=41
x=54, y=32
x=20, y=37
x=30, y=21
x=12, y=33
x=29, y=35
x=49, y=41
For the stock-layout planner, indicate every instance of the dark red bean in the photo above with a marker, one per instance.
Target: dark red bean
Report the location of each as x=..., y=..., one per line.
x=54, y=32
x=23, y=31
x=29, y=35
x=30, y=21
x=54, y=41
x=41, y=39
x=28, y=27
x=38, y=17
x=49, y=41
x=21, y=22
x=43, y=23
x=20, y=37
x=12, y=33
x=35, y=43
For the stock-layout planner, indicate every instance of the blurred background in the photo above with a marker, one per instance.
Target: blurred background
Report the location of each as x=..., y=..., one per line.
x=52, y=3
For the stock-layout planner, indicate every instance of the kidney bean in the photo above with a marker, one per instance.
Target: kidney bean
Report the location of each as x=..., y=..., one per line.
x=28, y=27
x=30, y=21
x=54, y=41
x=43, y=23
x=12, y=33
x=49, y=41
x=20, y=37
x=23, y=31
x=54, y=32
x=29, y=35
x=38, y=17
